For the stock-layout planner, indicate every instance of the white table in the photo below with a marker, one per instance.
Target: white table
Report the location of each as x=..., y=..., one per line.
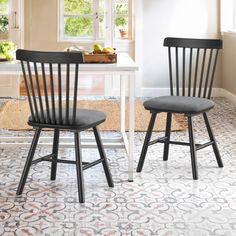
x=125, y=68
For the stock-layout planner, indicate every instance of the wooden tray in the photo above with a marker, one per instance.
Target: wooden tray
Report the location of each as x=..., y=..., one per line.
x=3, y=59
x=100, y=58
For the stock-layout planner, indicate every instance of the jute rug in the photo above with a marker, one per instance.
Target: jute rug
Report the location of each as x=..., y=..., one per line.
x=14, y=115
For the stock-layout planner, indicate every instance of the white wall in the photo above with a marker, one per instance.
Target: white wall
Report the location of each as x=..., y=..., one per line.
x=228, y=63
x=182, y=18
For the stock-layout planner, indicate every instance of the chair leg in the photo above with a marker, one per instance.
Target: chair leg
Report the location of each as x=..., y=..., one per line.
x=146, y=142
x=55, y=152
x=103, y=156
x=192, y=148
x=212, y=138
x=28, y=162
x=79, y=167
x=167, y=134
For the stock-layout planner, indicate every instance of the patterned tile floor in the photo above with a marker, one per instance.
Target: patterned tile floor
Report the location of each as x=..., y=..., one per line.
x=163, y=199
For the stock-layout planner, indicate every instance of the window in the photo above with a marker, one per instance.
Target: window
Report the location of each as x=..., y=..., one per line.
x=121, y=15
x=228, y=15
x=4, y=20
x=90, y=19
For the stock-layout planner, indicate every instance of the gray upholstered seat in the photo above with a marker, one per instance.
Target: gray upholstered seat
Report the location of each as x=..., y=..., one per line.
x=179, y=104
x=85, y=118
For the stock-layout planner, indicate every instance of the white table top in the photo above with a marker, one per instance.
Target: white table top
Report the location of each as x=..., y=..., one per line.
x=124, y=63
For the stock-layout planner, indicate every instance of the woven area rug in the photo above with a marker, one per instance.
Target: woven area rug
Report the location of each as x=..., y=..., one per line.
x=14, y=115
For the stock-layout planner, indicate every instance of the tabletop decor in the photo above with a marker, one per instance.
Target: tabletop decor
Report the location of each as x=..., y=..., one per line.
x=98, y=54
x=7, y=50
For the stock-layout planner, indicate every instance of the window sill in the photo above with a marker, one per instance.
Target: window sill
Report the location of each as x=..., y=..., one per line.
x=80, y=41
x=229, y=33
x=116, y=42
x=123, y=41
x=92, y=41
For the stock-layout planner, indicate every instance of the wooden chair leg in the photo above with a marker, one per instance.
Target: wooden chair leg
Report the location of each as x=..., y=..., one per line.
x=146, y=142
x=55, y=152
x=192, y=148
x=28, y=162
x=79, y=168
x=103, y=156
x=212, y=138
x=167, y=134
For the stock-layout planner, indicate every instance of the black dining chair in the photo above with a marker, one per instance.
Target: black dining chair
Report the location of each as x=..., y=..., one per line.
x=44, y=79
x=192, y=64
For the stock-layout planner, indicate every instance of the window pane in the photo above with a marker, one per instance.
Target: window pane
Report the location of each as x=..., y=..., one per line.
x=101, y=26
x=78, y=6
x=3, y=7
x=102, y=6
x=121, y=7
x=4, y=15
x=121, y=27
x=3, y=23
x=101, y=19
x=78, y=26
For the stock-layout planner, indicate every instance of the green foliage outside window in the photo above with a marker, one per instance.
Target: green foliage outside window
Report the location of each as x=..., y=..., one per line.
x=3, y=23
x=121, y=21
x=3, y=18
x=78, y=6
x=3, y=7
x=75, y=25
x=80, y=26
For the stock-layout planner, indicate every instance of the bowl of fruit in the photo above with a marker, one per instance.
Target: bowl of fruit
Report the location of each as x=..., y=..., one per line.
x=98, y=54
x=101, y=55
x=98, y=49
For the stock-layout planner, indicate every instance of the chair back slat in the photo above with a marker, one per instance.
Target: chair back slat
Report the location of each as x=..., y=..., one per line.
x=202, y=73
x=53, y=118
x=177, y=70
x=36, y=113
x=39, y=93
x=67, y=93
x=190, y=72
x=208, y=74
x=199, y=58
x=28, y=90
x=170, y=72
x=59, y=93
x=183, y=74
x=196, y=73
x=45, y=89
x=75, y=93
x=45, y=81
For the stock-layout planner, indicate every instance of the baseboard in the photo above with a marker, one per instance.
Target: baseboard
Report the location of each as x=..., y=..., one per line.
x=230, y=96
x=156, y=92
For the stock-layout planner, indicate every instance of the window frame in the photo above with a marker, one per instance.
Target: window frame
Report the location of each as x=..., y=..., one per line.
x=109, y=17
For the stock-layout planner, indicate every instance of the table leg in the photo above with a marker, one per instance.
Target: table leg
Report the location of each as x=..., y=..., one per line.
x=18, y=86
x=122, y=103
x=131, y=124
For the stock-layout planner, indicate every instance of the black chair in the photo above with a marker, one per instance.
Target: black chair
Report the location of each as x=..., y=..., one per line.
x=50, y=108
x=192, y=64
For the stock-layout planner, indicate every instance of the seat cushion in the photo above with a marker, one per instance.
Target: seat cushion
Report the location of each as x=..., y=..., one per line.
x=179, y=104
x=85, y=119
